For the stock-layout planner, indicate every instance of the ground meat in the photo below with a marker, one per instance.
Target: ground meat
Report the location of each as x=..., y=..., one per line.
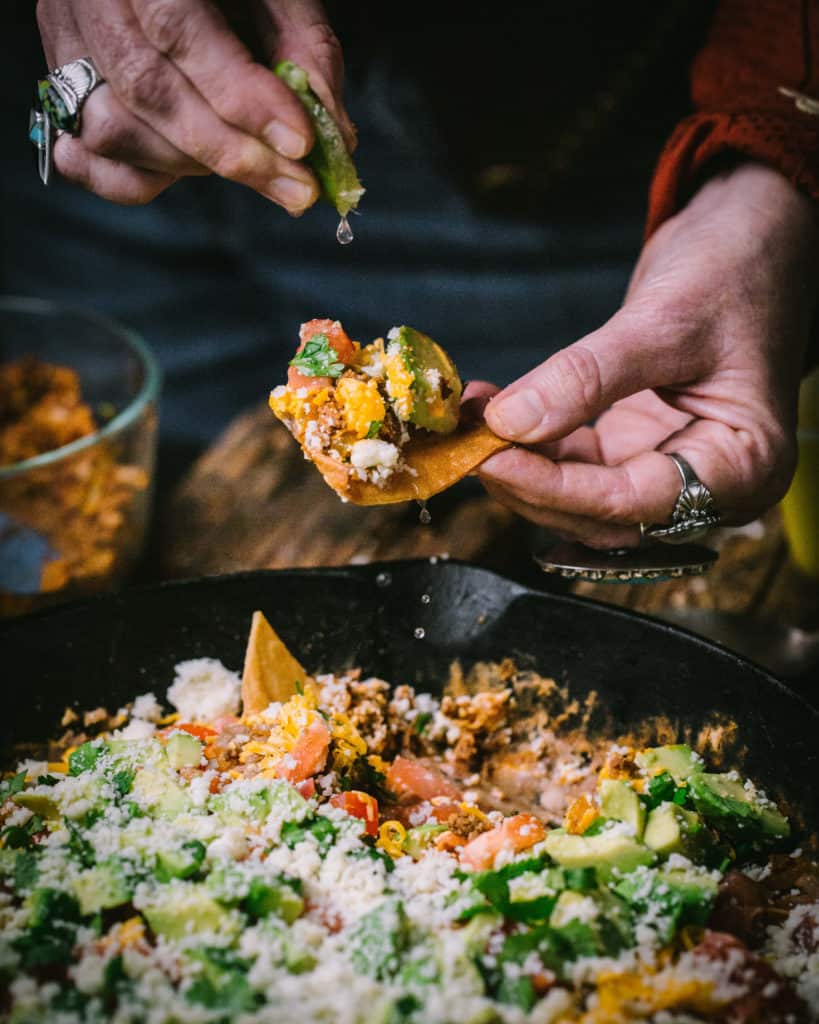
x=466, y=825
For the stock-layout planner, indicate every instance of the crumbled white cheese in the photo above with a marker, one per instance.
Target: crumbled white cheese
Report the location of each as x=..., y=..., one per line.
x=203, y=690
x=136, y=729
x=371, y=453
x=147, y=707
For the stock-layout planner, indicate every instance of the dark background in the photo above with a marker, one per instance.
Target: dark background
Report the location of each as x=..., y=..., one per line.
x=506, y=149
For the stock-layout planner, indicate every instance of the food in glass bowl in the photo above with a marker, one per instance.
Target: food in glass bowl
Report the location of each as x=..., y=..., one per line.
x=77, y=440
x=284, y=847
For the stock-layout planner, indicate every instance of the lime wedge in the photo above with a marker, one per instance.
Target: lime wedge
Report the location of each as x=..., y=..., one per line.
x=329, y=158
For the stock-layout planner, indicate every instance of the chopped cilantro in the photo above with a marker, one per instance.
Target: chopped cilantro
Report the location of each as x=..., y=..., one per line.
x=370, y=852
x=374, y=428
x=21, y=837
x=47, y=780
x=85, y=757
x=321, y=828
x=299, y=687
x=661, y=788
x=79, y=845
x=8, y=787
x=421, y=722
x=318, y=358
x=26, y=870
x=123, y=780
x=494, y=887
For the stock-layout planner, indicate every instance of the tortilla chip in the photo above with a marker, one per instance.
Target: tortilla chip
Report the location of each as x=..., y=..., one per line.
x=434, y=461
x=271, y=672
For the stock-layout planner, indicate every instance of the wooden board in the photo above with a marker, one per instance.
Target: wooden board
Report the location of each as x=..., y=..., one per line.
x=253, y=502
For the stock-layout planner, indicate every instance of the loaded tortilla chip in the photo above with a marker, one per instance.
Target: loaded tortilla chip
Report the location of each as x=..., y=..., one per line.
x=380, y=421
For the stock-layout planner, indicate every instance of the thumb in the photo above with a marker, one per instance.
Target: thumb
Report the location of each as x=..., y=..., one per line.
x=580, y=382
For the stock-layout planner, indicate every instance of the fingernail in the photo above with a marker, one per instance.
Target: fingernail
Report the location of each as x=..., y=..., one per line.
x=285, y=140
x=516, y=415
x=293, y=194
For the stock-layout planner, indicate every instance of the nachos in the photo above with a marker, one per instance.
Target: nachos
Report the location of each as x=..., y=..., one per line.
x=331, y=849
x=380, y=421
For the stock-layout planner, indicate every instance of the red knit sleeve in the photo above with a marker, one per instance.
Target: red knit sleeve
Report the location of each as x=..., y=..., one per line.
x=755, y=87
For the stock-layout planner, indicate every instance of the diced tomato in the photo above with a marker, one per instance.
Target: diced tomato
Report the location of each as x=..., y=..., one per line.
x=359, y=805
x=514, y=834
x=307, y=788
x=308, y=756
x=201, y=732
x=412, y=779
x=337, y=336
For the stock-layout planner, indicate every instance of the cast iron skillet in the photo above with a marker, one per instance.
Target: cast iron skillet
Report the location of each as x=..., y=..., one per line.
x=109, y=649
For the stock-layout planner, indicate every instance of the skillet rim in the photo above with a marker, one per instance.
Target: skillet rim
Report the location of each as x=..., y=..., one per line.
x=372, y=569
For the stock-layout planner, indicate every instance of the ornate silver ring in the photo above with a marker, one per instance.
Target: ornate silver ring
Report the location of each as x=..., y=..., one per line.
x=58, y=102
x=694, y=512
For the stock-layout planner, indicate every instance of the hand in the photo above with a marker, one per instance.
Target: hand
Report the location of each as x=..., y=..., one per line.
x=183, y=96
x=704, y=358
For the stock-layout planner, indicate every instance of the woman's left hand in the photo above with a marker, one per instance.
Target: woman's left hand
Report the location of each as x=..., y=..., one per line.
x=704, y=358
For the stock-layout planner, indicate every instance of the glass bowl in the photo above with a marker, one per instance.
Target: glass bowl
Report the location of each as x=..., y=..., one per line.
x=73, y=519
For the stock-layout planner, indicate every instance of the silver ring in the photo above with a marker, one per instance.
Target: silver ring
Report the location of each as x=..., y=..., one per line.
x=58, y=104
x=694, y=512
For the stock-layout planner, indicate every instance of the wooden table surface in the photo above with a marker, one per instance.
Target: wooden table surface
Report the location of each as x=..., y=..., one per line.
x=253, y=502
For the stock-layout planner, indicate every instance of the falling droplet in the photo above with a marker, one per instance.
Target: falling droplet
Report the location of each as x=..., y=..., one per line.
x=425, y=598
x=419, y=633
x=344, y=233
x=383, y=579
x=424, y=516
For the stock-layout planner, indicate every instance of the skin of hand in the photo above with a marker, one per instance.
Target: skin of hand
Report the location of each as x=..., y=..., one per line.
x=704, y=358
x=183, y=96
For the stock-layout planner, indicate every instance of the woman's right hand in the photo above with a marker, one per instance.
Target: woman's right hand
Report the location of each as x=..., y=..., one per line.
x=183, y=96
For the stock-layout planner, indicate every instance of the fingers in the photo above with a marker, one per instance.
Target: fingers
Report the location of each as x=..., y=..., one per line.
x=114, y=181
x=590, y=532
x=744, y=478
x=576, y=384
x=108, y=131
x=151, y=87
x=301, y=32
x=195, y=37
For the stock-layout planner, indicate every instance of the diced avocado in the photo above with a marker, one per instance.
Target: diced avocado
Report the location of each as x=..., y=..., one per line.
x=671, y=898
x=277, y=896
x=608, y=851
x=565, y=907
x=100, y=888
x=618, y=800
x=235, y=808
x=672, y=829
x=329, y=157
x=437, y=386
x=678, y=759
x=184, y=750
x=421, y=838
x=378, y=940
x=155, y=792
x=723, y=800
x=38, y=803
x=188, y=908
x=181, y=863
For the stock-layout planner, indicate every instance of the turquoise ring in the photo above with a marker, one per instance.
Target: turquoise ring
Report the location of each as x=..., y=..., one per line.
x=58, y=103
